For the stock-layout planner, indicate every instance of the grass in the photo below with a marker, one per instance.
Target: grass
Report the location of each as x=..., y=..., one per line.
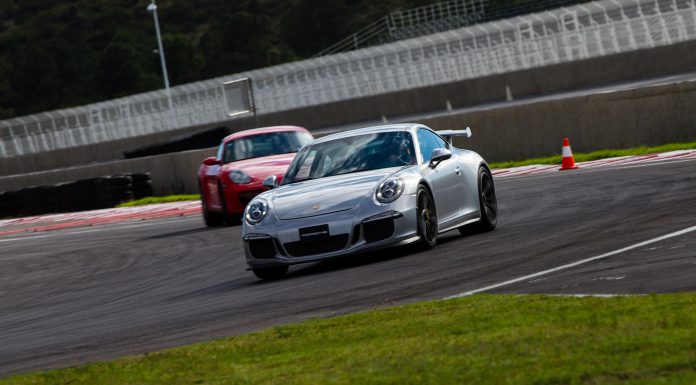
x=482, y=339
x=601, y=154
x=164, y=199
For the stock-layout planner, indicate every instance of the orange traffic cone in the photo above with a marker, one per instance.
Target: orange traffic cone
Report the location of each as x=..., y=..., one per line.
x=568, y=162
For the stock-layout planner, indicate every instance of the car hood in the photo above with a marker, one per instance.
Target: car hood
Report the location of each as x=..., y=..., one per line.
x=326, y=195
x=260, y=168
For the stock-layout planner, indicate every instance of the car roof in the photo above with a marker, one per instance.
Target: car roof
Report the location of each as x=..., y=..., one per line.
x=262, y=130
x=370, y=130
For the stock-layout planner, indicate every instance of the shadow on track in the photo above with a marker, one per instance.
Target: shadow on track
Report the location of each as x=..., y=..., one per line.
x=183, y=232
x=316, y=268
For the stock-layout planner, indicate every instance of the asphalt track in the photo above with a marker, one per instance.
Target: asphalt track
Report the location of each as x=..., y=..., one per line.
x=81, y=295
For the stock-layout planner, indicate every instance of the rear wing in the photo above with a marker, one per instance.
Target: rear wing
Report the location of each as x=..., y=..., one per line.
x=449, y=134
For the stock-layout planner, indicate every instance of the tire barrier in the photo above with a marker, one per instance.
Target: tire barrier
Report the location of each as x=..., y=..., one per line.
x=81, y=195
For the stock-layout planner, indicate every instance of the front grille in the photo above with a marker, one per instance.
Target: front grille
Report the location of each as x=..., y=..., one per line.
x=246, y=196
x=378, y=230
x=262, y=248
x=307, y=248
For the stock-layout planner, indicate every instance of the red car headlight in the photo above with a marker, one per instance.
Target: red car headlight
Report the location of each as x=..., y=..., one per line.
x=239, y=177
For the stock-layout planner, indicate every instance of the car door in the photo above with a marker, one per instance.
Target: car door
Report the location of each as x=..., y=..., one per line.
x=445, y=179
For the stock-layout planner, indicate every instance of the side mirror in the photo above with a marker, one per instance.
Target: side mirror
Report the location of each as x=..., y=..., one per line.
x=211, y=161
x=270, y=182
x=438, y=155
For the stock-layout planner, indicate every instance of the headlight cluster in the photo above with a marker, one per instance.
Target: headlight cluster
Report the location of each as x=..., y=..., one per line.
x=239, y=177
x=390, y=190
x=256, y=211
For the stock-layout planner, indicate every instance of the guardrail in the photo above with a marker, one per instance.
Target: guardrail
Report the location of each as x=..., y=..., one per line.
x=546, y=38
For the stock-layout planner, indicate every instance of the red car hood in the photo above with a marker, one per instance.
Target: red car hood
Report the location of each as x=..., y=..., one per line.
x=260, y=168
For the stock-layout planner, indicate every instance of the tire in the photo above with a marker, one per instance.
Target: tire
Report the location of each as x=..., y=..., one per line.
x=426, y=218
x=488, y=204
x=270, y=273
x=211, y=219
x=227, y=218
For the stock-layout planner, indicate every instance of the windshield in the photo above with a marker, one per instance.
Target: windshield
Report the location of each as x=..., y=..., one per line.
x=352, y=154
x=260, y=145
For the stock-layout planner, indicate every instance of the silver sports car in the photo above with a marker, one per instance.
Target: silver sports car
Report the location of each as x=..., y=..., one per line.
x=367, y=189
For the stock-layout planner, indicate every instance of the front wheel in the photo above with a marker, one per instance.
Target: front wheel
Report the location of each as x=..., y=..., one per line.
x=427, y=218
x=270, y=273
x=210, y=218
x=227, y=218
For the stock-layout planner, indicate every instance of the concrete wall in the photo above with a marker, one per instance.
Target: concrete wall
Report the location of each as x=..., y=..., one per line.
x=81, y=155
x=566, y=76
x=171, y=173
x=649, y=116
x=677, y=58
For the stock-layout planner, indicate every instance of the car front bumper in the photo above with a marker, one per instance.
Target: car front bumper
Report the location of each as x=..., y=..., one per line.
x=347, y=235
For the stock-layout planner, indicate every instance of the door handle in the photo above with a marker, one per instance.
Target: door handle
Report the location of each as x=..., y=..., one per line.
x=458, y=171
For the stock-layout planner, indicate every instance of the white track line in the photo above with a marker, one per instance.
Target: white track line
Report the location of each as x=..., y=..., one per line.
x=574, y=264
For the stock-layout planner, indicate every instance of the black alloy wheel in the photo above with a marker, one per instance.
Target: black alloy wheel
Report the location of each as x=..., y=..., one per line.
x=427, y=218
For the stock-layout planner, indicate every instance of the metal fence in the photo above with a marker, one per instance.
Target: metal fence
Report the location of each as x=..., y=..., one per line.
x=404, y=24
x=545, y=38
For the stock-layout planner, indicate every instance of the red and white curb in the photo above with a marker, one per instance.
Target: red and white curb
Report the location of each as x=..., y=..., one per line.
x=180, y=209
x=622, y=160
x=98, y=217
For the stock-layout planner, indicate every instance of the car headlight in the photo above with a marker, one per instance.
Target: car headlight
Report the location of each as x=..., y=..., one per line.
x=239, y=177
x=390, y=190
x=256, y=211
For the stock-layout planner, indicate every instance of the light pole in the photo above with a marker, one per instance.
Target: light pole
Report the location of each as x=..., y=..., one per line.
x=153, y=8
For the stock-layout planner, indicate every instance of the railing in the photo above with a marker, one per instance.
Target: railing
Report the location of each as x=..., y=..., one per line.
x=545, y=38
x=413, y=22
x=438, y=17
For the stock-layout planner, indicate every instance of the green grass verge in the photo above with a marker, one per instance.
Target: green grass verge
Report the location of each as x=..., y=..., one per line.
x=164, y=199
x=483, y=339
x=601, y=154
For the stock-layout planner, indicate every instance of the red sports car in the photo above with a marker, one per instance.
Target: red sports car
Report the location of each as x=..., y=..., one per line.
x=229, y=181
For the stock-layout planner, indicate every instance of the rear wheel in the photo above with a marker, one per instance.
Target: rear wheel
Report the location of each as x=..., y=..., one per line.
x=488, y=204
x=271, y=273
x=427, y=218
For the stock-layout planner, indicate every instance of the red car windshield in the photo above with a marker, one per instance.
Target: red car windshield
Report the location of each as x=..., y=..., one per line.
x=257, y=146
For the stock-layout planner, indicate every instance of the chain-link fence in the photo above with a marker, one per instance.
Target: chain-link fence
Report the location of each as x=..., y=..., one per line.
x=561, y=35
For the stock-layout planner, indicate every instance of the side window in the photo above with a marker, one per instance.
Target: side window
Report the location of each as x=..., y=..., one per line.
x=439, y=142
x=427, y=144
